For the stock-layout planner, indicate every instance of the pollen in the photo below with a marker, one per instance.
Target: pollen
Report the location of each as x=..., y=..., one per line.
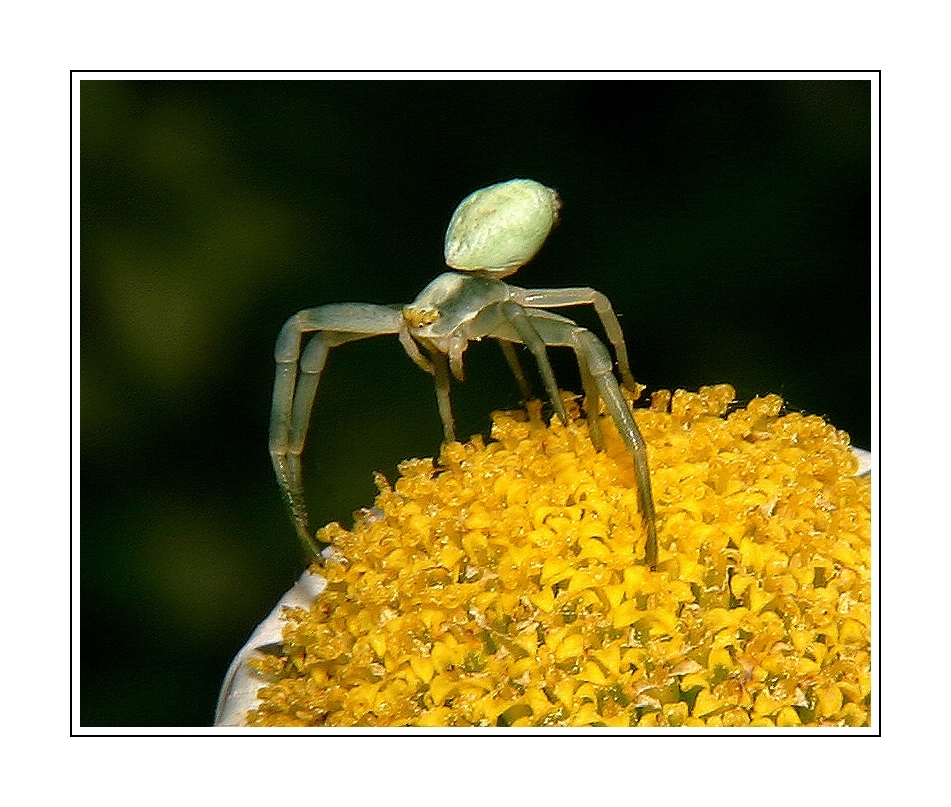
x=505, y=584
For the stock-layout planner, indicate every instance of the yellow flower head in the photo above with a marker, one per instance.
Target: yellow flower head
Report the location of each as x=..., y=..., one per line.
x=503, y=584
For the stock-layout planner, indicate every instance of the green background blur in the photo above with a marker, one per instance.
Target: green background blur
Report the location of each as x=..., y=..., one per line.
x=728, y=222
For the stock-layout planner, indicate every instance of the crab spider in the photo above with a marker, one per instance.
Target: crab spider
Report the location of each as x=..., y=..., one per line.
x=493, y=232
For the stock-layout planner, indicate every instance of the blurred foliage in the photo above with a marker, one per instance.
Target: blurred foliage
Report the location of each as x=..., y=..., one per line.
x=728, y=221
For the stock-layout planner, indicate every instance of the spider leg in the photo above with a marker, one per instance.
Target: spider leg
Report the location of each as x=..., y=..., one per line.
x=592, y=401
x=599, y=361
x=516, y=366
x=289, y=430
x=599, y=381
x=295, y=387
x=520, y=321
x=441, y=372
x=559, y=298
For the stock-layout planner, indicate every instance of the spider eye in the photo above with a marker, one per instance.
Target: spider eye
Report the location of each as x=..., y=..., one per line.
x=418, y=316
x=500, y=228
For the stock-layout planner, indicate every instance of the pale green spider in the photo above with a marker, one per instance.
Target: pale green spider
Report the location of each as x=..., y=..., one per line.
x=492, y=233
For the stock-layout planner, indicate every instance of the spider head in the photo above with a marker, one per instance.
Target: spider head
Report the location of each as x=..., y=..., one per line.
x=498, y=229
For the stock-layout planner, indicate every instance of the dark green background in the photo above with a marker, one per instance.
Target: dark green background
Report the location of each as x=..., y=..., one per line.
x=729, y=223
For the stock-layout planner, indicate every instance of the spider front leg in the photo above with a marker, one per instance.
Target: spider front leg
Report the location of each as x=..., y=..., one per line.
x=295, y=387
